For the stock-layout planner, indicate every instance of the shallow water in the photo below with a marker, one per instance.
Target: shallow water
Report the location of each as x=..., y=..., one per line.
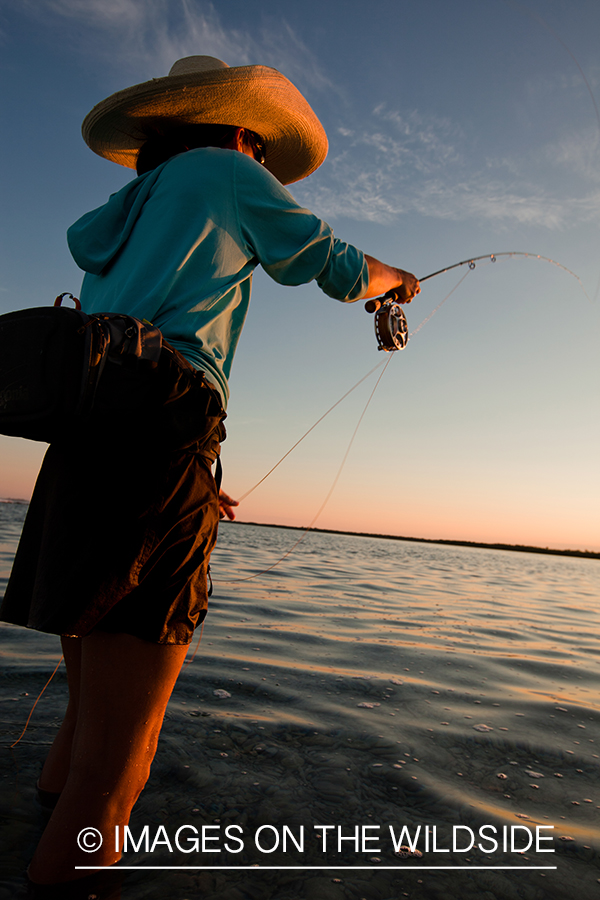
x=372, y=683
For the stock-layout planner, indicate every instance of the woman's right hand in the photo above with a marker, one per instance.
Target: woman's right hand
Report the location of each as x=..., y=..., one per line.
x=383, y=278
x=408, y=288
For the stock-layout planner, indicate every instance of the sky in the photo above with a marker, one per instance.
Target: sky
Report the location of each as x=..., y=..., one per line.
x=456, y=129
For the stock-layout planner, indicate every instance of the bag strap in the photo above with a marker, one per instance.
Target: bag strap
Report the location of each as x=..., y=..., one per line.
x=90, y=371
x=59, y=299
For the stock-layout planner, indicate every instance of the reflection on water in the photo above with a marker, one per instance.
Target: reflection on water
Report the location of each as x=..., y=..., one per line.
x=368, y=683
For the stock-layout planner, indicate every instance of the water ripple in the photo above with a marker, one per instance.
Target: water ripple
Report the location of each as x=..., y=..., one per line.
x=372, y=682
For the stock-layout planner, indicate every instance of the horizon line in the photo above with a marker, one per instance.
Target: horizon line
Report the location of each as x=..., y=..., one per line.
x=519, y=548
x=453, y=542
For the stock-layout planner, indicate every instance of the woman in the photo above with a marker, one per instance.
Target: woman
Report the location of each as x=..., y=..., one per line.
x=115, y=550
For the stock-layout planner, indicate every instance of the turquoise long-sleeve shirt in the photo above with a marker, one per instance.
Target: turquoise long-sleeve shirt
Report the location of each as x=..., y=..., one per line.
x=178, y=245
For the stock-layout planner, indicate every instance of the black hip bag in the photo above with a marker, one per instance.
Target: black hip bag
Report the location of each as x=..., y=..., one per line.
x=108, y=377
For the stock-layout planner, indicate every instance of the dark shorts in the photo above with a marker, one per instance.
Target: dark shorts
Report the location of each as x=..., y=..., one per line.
x=124, y=514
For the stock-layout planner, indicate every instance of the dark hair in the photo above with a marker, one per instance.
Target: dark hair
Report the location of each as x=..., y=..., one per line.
x=162, y=144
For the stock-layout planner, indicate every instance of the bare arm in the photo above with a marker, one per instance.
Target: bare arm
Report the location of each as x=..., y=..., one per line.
x=383, y=278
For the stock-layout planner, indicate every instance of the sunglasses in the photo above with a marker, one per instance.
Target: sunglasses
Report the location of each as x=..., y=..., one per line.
x=257, y=146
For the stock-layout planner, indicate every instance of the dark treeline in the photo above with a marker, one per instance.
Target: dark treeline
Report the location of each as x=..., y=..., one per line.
x=522, y=548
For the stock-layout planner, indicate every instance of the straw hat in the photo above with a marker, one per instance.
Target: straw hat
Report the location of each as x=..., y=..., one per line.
x=205, y=90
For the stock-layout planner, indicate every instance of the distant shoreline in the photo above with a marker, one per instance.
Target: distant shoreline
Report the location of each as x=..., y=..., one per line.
x=520, y=548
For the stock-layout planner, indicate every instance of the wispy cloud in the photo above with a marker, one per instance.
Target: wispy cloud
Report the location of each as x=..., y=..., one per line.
x=145, y=37
x=577, y=153
x=402, y=164
x=397, y=162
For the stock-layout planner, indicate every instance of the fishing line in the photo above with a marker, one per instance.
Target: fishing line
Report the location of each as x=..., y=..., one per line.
x=331, y=489
x=431, y=314
x=306, y=433
x=36, y=703
x=191, y=659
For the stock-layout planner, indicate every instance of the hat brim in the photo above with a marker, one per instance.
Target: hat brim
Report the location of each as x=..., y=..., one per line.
x=256, y=97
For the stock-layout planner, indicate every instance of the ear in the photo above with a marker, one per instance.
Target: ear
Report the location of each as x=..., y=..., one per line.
x=239, y=138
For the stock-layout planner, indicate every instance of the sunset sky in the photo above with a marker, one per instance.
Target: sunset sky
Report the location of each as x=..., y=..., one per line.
x=456, y=129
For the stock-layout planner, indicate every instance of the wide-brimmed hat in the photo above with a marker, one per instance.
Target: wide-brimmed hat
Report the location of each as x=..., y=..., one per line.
x=205, y=90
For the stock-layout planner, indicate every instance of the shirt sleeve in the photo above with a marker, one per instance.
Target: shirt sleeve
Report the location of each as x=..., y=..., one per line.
x=292, y=245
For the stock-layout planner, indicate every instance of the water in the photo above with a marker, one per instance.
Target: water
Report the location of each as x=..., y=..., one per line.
x=372, y=683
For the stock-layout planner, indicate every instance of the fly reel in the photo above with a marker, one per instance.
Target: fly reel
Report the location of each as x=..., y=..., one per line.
x=391, y=327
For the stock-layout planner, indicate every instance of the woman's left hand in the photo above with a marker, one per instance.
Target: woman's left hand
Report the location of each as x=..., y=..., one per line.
x=225, y=505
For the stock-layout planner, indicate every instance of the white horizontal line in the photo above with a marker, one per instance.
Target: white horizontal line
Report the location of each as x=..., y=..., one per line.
x=313, y=868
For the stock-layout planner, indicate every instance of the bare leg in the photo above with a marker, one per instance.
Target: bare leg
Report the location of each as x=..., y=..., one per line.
x=125, y=685
x=58, y=762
